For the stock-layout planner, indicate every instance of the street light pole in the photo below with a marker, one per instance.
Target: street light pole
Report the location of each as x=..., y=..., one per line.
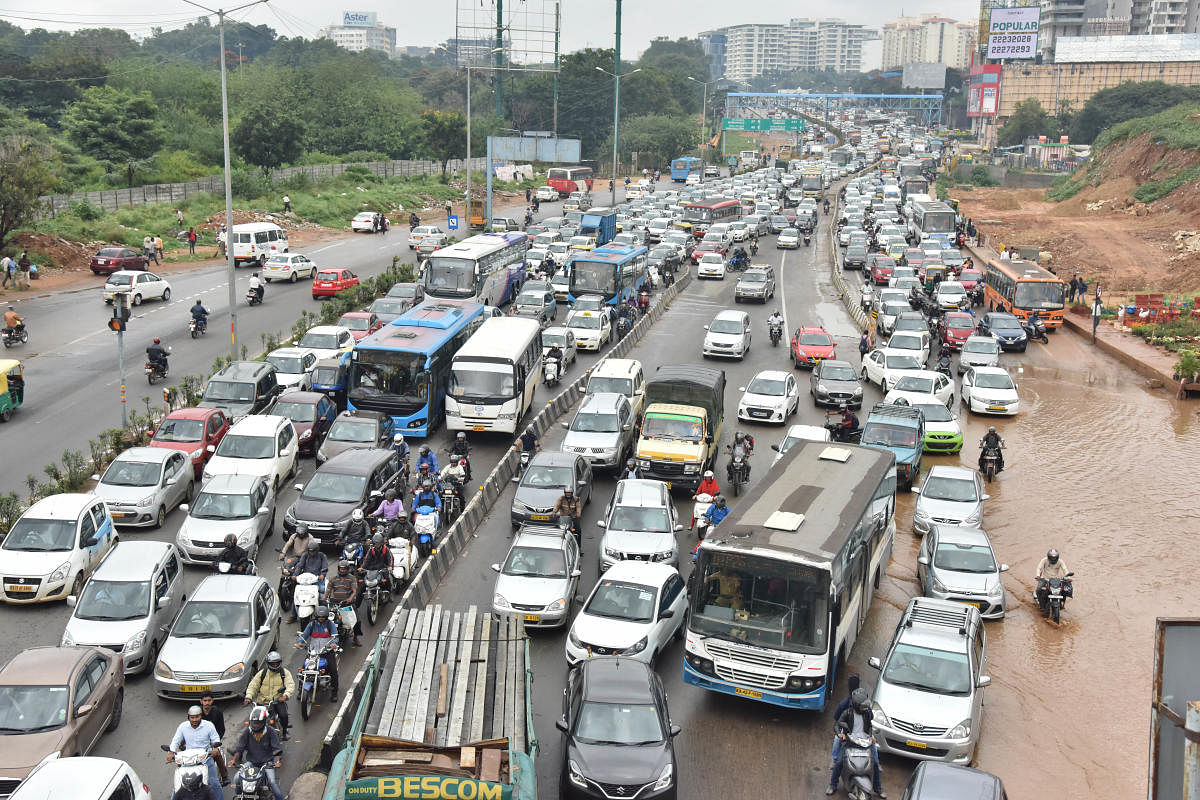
x=616, y=118
x=704, y=105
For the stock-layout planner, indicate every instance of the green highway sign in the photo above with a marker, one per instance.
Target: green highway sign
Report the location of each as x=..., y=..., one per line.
x=761, y=124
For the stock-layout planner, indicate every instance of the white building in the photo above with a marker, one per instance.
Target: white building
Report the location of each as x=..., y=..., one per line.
x=927, y=39
x=751, y=50
x=360, y=30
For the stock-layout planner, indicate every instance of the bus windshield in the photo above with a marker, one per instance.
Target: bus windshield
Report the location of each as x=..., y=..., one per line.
x=937, y=222
x=697, y=213
x=593, y=276
x=480, y=382
x=761, y=601
x=1039, y=295
x=446, y=276
x=390, y=376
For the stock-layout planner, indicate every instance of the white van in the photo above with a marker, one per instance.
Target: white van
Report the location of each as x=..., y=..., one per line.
x=258, y=241
x=621, y=375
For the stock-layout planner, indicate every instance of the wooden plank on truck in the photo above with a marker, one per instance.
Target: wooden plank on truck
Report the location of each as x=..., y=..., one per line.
x=500, y=693
x=512, y=680
x=406, y=624
x=413, y=725
x=481, y=679
x=490, y=768
x=517, y=734
x=446, y=663
x=462, y=676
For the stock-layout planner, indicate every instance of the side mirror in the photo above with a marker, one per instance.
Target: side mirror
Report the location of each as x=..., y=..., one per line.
x=84, y=710
x=90, y=542
x=561, y=724
x=184, y=507
x=675, y=730
x=984, y=680
x=1004, y=567
x=264, y=510
x=705, y=327
x=95, y=476
x=566, y=426
x=211, y=448
x=575, y=573
x=285, y=452
x=666, y=614
x=678, y=527
x=741, y=388
x=495, y=567
x=299, y=487
x=986, y=497
x=873, y=661
x=601, y=523
x=627, y=428
x=923, y=560
x=72, y=600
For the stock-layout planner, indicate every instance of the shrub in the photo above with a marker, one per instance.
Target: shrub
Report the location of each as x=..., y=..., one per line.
x=86, y=211
x=981, y=177
x=248, y=185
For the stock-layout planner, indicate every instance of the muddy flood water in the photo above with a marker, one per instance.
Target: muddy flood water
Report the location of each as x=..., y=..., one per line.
x=1104, y=470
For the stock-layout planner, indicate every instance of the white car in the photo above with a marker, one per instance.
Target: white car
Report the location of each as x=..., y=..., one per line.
x=884, y=367
x=52, y=549
x=592, y=329
x=949, y=294
x=920, y=387
x=137, y=285
x=634, y=610
x=262, y=444
x=327, y=341
x=727, y=336
x=423, y=232
x=565, y=340
x=658, y=228
x=546, y=194
x=799, y=433
x=771, y=396
x=989, y=390
x=711, y=265
x=293, y=367
x=692, y=180
x=911, y=343
x=82, y=778
x=365, y=221
x=740, y=231
x=288, y=267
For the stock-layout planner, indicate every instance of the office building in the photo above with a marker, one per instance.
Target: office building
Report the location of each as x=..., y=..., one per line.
x=753, y=50
x=928, y=39
x=360, y=30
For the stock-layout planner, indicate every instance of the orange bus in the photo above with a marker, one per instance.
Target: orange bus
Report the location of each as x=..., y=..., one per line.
x=1020, y=287
x=697, y=217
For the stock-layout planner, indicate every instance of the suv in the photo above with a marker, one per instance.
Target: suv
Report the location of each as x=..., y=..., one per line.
x=756, y=283
x=243, y=505
x=602, y=430
x=353, y=479
x=622, y=375
x=241, y=388
x=259, y=445
x=639, y=524
x=933, y=780
x=901, y=429
x=928, y=703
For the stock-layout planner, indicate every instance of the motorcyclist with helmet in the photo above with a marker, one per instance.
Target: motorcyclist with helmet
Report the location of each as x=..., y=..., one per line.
x=401, y=448
x=390, y=508
x=456, y=474
x=343, y=591
x=358, y=531
x=271, y=687
x=460, y=448
x=199, y=314
x=775, y=321
x=322, y=627
x=718, y=511
x=426, y=495
x=1052, y=566
x=198, y=733
x=992, y=439
x=313, y=561
x=156, y=354
x=743, y=445
x=857, y=721
x=428, y=459
x=708, y=485
x=569, y=506
x=191, y=787
x=379, y=557
x=259, y=745
x=235, y=556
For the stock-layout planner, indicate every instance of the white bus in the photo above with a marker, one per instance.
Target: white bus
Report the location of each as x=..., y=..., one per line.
x=932, y=220
x=488, y=268
x=258, y=241
x=494, y=375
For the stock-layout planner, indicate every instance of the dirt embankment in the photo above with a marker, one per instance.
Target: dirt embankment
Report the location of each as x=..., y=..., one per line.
x=1103, y=232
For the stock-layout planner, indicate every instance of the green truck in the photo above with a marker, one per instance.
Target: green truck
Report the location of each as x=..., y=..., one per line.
x=681, y=428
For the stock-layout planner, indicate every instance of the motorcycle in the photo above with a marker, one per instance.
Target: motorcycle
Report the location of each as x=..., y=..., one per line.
x=155, y=371
x=550, y=371
x=858, y=767
x=197, y=327
x=568, y=524
x=838, y=433
x=377, y=593
x=452, y=503
x=644, y=300
x=253, y=298
x=425, y=527
x=250, y=783
x=807, y=239
x=1051, y=595
x=1035, y=330
x=192, y=760
x=624, y=326
x=312, y=674
x=776, y=334
x=16, y=335
x=943, y=365
x=305, y=597
x=738, y=470
x=700, y=505
x=287, y=583
x=990, y=462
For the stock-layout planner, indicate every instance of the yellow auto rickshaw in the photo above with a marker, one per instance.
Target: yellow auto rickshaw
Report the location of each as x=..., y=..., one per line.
x=12, y=387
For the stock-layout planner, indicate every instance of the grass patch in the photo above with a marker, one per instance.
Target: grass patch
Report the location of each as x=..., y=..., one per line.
x=1066, y=187
x=1150, y=191
x=1174, y=128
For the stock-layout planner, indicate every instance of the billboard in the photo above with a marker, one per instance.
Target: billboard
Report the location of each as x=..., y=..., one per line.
x=1013, y=32
x=924, y=76
x=983, y=90
x=527, y=149
x=360, y=19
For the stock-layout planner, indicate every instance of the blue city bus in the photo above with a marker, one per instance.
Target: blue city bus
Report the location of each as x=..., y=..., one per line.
x=403, y=369
x=614, y=272
x=684, y=166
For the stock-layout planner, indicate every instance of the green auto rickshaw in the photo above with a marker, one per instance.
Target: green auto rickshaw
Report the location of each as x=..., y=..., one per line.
x=934, y=274
x=12, y=387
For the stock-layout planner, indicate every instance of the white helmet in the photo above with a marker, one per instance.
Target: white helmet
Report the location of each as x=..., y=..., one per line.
x=398, y=438
x=708, y=473
x=356, y=515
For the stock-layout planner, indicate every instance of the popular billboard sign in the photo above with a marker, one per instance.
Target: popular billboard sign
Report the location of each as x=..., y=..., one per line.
x=1013, y=32
x=361, y=19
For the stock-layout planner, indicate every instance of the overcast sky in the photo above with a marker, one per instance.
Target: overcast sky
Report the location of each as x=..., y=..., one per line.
x=585, y=23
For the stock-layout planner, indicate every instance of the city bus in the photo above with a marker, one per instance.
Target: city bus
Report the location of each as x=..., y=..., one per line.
x=701, y=214
x=403, y=369
x=887, y=164
x=494, y=375
x=614, y=272
x=1020, y=287
x=570, y=179
x=486, y=267
x=684, y=166
x=782, y=587
x=932, y=220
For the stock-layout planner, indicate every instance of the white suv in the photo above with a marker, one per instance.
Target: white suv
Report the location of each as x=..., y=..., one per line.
x=263, y=444
x=728, y=335
x=639, y=525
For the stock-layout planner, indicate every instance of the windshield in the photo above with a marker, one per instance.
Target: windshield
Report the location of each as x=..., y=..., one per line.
x=211, y=505
x=953, y=489
x=556, y=339
x=402, y=291
x=727, y=326
x=697, y=214
x=950, y=290
x=926, y=669
x=114, y=600
x=993, y=380
x=829, y=373
x=618, y=723
x=180, y=430
x=816, y=339
x=776, y=387
x=895, y=309
x=26, y=709
x=353, y=323
x=40, y=535
x=636, y=518
x=904, y=343
x=388, y=380
x=885, y=435
x=1039, y=295
x=333, y=487
x=964, y=558
x=988, y=346
x=229, y=391
x=903, y=362
x=531, y=299
x=296, y=412
x=289, y=365
x=120, y=280
x=914, y=383
x=320, y=341
x=590, y=323
x=754, y=277
x=934, y=412
x=482, y=381
x=586, y=421
x=592, y=276
x=354, y=430
x=542, y=476
x=672, y=426
x=535, y=562
x=327, y=376
x=625, y=601
x=760, y=601
x=131, y=473
x=242, y=446
x=970, y=275
x=213, y=620
x=619, y=385
x=447, y=276
x=960, y=323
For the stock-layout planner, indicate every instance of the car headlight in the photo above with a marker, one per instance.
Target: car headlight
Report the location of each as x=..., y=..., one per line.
x=67, y=639
x=921, y=515
x=877, y=712
x=644, y=463
x=573, y=639
x=452, y=412
x=235, y=671
x=975, y=516
x=558, y=605
x=288, y=517
x=161, y=670
x=135, y=642
x=938, y=586
x=611, y=553
x=996, y=590
x=664, y=780
x=664, y=555
x=498, y=601
x=691, y=469
x=506, y=416
x=636, y=648
x=197, y=454
x=822, y=388
x=206, y=476
x=245, y=538
x=574, y=775
x=146, y=501
x=519, y=506
x=60, y=573
x=960, y=731
x=306, y=435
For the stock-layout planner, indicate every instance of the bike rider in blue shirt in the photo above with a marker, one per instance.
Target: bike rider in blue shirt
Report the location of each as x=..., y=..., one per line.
x=426, y=496
x=428, y=458
x=718, y=511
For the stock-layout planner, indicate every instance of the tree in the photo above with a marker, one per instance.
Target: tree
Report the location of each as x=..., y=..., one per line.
x=1126, y=101
x=1028, y=119
x=26, y=173
x=269, y=137
x=657, y=138
x=116, y=127
x=444, y=134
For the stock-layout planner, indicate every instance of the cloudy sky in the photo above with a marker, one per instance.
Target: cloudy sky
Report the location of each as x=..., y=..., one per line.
x=585, y=23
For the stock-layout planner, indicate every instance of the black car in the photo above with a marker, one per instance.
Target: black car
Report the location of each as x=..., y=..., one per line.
x=856, y=257
x=241, y=388
x=911, y=321
x=664, y=259
x=352, y=479
x=935, y=780
x=1006, y=329
x=618, y=734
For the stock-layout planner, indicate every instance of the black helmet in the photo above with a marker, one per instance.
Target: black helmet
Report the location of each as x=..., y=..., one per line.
x=860, y=699
x=377, y=539
x=230, y=539
x=719, y=501
x=322, y=612
x=302, y=529
x=343, y=566
x=191, y=781
x=1052, y=556
x=258, y=719
x=274, y=660
x=739, y=436
x=312, y=546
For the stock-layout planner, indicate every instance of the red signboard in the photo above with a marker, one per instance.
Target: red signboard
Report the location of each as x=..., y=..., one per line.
x=983, y=90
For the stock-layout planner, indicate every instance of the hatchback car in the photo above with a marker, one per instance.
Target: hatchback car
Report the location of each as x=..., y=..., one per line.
x=56, y=700
x=933, y=780
x=113, y=259
x=288, y=267
x=756, y=283
x=639, y=524
x=943, y=433
x=922, y=386
x=143, y=484
x=293, y=367
x=884, y=368
x=956, y=328
x=241, y=388
x=81, y=778
x=727, y=336
x=538, y=577
x=242, y=505
x=618, y=733
x=810, y=346
x=564, y=340
x=989, y=390
x=602, y=430
x=591, y=329
x=979, y=351
x=1006, y=329
x=788, y=239
x=191, y=431
x=259, y=445
x=911, y=343
x=52, y=549
x=881, y=269
x=327, y=341
x=330, y=282
x=950, y=495
x=311, y=414
x=220, y=639
x=543, y=482
x=129, y=603
x=387, y=309
x=354, y=430
x=137, y=286
x=856, y=256
x=770, y=396
x=539, y=305
x=414, y=293
x=835, y=383
x=956, y=562
x=422, y=233
x=634, y=610
x=361, y=323
x=949, y=295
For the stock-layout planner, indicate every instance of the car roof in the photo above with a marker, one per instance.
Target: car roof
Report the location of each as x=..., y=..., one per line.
x=359, y=314
x=952, y=471
x=771, y=374
x=641, y=493
x=649, y=573
x=127, y=271
x=937, y=780
x=982, y=338
x=362, y=413
x=327, y=328
x=67, y=505
x=834, y=362
x=243, y=370
x=258, y=424
x=148, y=454
x=611, y=679
x=192, y=413
x=617, y=368
x=554, y=459
x=290, y=351
x=599, y=402
x=990, y=370
x=43, y=666
x=226, y=587
x=538, y=536
x=131, y=560
x=231, y=484
x=731, y=314
x=812, y=329
x=921, y=373
x=84, y=775
x=301, y=397
x=359, y=461
x=959, y=534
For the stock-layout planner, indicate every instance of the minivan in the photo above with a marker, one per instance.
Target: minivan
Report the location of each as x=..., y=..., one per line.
x=242, y=388
x=353, y=479
x=52, y=549
x=622, y=375
x=129, y=603
x=258, y=241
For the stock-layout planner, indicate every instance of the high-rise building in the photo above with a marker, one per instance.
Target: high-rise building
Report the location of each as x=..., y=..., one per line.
x=929, y=39
x=360, y=30
x=744, y=52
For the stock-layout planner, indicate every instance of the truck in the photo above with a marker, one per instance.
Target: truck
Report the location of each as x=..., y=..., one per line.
x=450, y=713
x=477, y=213
x=812, y=183
x=601, y=223
x=748, y=159
x=681, y=427
x=900, y=430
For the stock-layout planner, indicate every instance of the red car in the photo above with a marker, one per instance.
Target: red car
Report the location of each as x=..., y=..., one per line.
x=811, y=345
x=707, y=247
x=970, y=278
x=914, y=258
x=956, y=327
x=112, y=259
x=360, y=323
x=311, y=414
x=881, y=268
x=330, y=282
x=192, y=431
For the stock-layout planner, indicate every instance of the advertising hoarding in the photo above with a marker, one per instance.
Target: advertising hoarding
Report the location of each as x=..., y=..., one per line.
x=983, y=90
x=1013, y=32
x=360, y=19
x=924, y=76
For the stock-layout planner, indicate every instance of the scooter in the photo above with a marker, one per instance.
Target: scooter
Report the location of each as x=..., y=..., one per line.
x=644, y=300
x=193, y=760
x=312, y=675
x=550, y=371
x=858, y=767
x=807, y=239
x=425, y=527
x=254, y=298
x=1035, y=330
x=16, y=335
x=1051, y=595
x=624, y=326
x=700, y=506
x=402, y=562
x=305, y=597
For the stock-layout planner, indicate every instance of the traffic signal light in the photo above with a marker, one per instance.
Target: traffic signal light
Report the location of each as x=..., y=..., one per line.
x=116, y=324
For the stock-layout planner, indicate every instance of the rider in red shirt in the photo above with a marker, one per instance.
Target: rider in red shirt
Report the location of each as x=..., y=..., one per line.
x=708, y=485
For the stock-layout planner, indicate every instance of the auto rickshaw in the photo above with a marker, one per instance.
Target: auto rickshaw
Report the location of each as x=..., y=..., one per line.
x=934, y=274
x=12, y=387
x=330, y=376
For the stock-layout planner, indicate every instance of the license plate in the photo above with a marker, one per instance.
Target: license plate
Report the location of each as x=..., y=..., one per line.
x=194, y=689
x=119, y=514
x=977, y=605
x=540, y=517
x=918, y=745
x=532, y=618
x=748, y=693
x=17, y=588
x=996, y=408
x=477, y=427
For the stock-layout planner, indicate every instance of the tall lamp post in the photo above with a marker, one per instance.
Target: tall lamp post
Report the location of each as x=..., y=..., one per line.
x=704, y=106
x=616, y=120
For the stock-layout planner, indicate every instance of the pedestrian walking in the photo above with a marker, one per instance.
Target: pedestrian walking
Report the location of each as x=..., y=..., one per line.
x=1097, y=312
x=287, y=204
x=9, y=268
x=449, y=209
x=537, y=204
x=528, y=195
x=191, y=240
x=864, y=345
x=23, y=270
x=179, y=217
x=158, y=247
x=148, y=249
